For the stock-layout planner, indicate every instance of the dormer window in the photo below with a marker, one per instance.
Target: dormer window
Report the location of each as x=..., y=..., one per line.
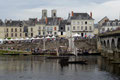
x=108, y=23
x=114, y=23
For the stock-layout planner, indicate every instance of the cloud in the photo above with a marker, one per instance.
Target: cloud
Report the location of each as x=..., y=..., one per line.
x=19, y=9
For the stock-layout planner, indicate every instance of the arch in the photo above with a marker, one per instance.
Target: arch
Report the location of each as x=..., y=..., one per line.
x=118, y=44
x=113, y=43
x=104, y=43
x=108, y=44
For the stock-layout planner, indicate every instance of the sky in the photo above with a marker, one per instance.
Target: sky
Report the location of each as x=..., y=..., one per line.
x=24, y=9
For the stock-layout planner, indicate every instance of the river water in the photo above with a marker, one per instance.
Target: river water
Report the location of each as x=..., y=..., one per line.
x=39, y=68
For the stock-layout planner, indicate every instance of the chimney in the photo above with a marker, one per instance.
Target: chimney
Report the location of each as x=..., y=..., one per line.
x=72, y=13
x=46, y=20
x=91, y=14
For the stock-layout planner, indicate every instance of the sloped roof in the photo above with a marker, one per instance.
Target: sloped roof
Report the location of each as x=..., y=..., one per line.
x=81, y=16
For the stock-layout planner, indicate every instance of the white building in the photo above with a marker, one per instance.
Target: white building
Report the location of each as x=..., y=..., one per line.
x=82, y=24
x=106, y=25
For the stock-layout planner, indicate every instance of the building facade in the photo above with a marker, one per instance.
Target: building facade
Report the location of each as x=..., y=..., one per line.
x=106, y=25
x=82, y=24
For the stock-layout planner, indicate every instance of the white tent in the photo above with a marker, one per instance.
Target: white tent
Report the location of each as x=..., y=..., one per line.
x=6, y=39
x=53, y=37
x=12, y=39
x=32, y=38
x=22, y=39
x=48, y=37
x=1, y=41
x=27, y=38
x=76, y=35
x=16, y=39
x=37, y=38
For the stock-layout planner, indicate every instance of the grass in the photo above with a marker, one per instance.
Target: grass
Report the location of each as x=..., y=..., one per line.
x=12, y=52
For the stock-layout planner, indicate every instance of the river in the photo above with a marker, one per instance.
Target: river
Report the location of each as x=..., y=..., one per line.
x=39, y=68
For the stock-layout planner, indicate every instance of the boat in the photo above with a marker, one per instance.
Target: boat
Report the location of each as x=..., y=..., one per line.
x=66, y=61
x=57, y=57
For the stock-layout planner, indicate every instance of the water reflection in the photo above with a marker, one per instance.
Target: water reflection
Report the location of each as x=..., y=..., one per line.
x=109, y=67
x=39, y=68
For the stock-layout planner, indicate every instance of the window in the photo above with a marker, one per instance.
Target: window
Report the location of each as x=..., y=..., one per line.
x=103, y=29
x=78, y=22
x=78, y=28
x=85, y=27
x=54, y=14
x=81, y=27
x=7, y=29
x=55, y=33
x=20, y=30
x=7, y=35
x=39, y=33
x=12, y=35
x=82, y=22
x=68, y=28
x=73, y=22
x=31, y=34
x=44, y=14
x=90, y=28
x=108, y=23
x=15, y=34
x=20, y=35
x=26, y=35
x=12, y=30
x=39, y=27
x=61, y=28
x=15, y=29
x=85, y=22
x=73, y=27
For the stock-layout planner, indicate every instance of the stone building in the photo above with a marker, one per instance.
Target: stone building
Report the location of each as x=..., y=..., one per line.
x=106, y=25
x=82, y=24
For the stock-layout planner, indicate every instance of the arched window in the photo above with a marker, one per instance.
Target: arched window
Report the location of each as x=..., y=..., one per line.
x=85, y=22
x=118, y=44
x=113, y=44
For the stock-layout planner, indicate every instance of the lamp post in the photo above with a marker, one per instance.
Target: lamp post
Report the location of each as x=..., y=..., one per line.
x=44, y=29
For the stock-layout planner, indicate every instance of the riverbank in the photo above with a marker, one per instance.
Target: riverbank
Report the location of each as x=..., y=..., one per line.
x=2, y=52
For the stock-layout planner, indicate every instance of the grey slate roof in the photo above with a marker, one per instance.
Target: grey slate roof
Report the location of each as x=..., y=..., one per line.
x=62, y=25
x=112, y=23
x=81, y=16
x=51, y=21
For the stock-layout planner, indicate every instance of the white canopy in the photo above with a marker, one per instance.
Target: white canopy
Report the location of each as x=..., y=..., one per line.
x=16, y=39
x=1, y=39
x=48, y=37
x=22, y=39
x=53, y=37
x=27, y=38
x=32, y=38
x=37, y=38
x=76, y=35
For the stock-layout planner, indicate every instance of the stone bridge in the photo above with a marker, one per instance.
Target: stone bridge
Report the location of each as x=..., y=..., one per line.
x=109, y=45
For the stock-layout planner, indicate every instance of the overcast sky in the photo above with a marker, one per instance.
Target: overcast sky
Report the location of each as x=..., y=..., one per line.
x=24, y=9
